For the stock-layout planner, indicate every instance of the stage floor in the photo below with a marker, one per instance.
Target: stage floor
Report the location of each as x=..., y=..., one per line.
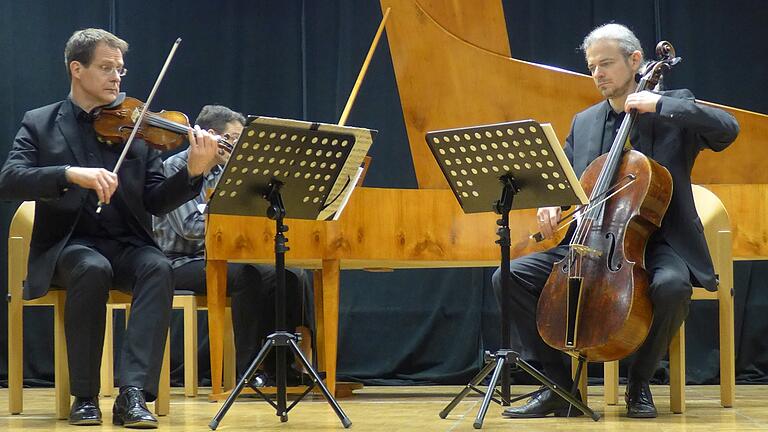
x=390, y=409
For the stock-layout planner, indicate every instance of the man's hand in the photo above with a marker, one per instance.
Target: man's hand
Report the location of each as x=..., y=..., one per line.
x=643, y=102
x=203, y=152
x=222, y=156
x=547, y=218
x=102, y=181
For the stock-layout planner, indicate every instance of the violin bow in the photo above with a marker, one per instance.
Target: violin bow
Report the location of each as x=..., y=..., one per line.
x=144, y=110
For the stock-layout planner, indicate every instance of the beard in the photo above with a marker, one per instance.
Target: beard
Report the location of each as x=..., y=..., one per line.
x=619, y=91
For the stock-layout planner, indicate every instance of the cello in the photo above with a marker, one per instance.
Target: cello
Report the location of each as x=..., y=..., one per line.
x=595, y=303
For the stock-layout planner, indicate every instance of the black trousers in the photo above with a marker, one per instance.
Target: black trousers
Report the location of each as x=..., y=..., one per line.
x=670, y=291
x=252, y=288
x=87, y=270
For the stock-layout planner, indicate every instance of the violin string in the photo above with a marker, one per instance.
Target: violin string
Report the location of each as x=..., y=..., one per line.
x=166, y=124
x=158, y=121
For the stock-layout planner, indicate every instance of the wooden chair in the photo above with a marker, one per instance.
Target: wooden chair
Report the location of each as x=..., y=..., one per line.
x=19, y=236
x=717, y=230
x=189, y=304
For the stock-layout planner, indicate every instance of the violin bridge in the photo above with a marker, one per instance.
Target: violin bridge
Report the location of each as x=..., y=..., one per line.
x=572, y=309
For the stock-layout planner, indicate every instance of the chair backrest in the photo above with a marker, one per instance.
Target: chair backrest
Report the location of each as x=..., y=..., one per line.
x=717, y=229
x=23, y=219
x=712, y=212
x=19, y=236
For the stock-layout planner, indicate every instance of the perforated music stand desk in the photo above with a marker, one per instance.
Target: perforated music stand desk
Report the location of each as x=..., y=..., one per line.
x=473, y=159
x=500, y=167
x=316, y=163
x=286, y=168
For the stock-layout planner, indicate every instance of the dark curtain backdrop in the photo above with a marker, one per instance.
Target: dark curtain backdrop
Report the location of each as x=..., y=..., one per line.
x=299, y=59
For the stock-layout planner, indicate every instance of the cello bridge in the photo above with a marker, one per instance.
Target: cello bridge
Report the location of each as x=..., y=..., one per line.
x=586, y=250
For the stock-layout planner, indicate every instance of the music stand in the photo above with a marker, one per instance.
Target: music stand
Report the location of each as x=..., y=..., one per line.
x=526, y=161
x=305, y=171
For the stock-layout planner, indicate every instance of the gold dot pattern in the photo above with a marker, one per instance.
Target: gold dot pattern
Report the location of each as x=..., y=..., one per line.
x=306, y=162
x=474, y=160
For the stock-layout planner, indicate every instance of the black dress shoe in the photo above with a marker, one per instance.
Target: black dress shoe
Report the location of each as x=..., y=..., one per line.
x=130, y=410
x=639, y=400
x=259, y=379
x=544, y=403
x=85, y=412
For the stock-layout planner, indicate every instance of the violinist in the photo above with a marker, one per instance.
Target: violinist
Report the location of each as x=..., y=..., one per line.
x=58, y=161
x=671, y=128
x=181, y=235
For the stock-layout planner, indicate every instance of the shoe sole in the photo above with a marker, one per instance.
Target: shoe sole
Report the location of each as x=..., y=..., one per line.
x=135, y=425
x=643, y=415
x=85, y=422
x=141, y=425
x=574, y=413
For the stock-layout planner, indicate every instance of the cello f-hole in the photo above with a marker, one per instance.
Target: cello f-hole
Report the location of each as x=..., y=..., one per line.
x=614, y=263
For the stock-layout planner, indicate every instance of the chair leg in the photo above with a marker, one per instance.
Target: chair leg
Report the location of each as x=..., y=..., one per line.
x=108, y=356
x=163, y=403
x=677, y=372
x=60, y=364
x=611, y=382
x=15, y=334
x=230, y=375
x=189, y=308
x=727, y=341
x=727, y=357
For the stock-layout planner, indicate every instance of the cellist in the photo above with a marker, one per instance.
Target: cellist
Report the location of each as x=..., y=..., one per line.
x=671, y=128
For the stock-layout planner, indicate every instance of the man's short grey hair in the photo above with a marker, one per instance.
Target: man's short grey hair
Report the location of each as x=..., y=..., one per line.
x=217, y=117
x=628, y=42
x=82, y=44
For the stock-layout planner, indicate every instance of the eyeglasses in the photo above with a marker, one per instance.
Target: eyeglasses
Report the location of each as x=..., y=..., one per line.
x=109, y=70
x=232, y=138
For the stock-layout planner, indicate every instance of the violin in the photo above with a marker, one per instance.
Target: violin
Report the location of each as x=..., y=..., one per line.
x=596, y=302
x=164, y=130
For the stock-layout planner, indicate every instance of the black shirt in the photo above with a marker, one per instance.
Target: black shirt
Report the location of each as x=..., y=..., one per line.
x=612, y=124
x=114, y=221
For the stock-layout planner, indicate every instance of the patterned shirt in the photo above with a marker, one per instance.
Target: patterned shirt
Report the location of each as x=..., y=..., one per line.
x=181, y=233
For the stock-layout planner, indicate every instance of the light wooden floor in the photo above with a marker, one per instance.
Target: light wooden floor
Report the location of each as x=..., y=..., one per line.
x=394, y=409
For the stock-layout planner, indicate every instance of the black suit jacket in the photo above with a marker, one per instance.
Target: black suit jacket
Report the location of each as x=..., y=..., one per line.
x=672, y=137
x=46, y=143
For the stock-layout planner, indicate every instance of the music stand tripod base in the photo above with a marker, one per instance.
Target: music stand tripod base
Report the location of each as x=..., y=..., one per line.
x=525, y=159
